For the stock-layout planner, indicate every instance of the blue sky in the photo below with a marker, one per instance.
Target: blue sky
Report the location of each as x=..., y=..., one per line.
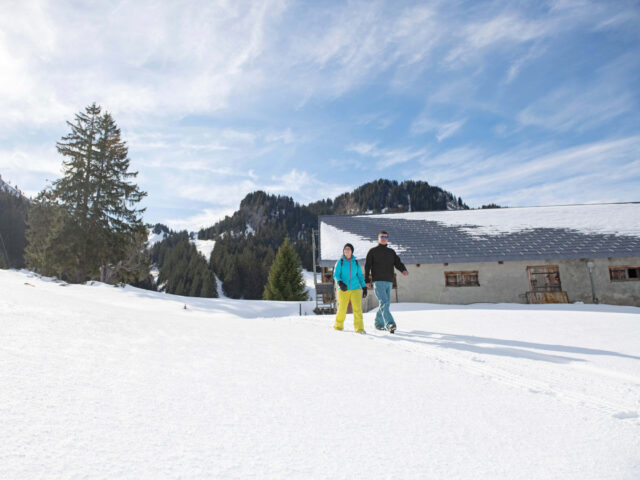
x=518, y=103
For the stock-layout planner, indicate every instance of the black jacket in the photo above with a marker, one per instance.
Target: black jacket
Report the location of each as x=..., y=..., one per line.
x=380, y=263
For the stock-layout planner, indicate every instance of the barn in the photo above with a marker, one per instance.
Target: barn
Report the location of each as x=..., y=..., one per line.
x=556, y=254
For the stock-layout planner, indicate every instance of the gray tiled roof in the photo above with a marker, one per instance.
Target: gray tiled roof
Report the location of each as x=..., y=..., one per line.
x=434, y=242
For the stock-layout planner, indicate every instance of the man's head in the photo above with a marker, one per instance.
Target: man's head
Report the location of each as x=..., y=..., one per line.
x=383, y=237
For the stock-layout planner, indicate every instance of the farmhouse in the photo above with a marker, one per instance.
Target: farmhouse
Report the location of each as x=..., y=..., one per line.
x=558, y=254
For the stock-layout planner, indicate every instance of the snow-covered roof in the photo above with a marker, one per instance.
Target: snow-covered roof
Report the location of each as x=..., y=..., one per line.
x=573, y=231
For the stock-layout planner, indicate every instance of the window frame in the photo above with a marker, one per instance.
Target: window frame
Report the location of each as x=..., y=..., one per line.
x=546, y=271
x=459, y=276
x=625, y=269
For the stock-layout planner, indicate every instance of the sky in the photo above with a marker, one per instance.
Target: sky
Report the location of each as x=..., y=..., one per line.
x=509, y=102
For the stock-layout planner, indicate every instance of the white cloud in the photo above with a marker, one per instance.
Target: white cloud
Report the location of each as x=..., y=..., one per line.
x=204, y=219
x=304, y=187
x=442, y=130
x=578, y=107
x=387, y=157
x=286, y=137
x=514, y=176
x=148, y=57
x=29, y=166
x=363, y=148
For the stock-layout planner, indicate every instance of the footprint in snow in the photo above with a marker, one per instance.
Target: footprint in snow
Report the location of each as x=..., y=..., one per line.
x=625, y=415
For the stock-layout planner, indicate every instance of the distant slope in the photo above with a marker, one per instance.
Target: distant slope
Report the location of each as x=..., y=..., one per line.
x=5, y=187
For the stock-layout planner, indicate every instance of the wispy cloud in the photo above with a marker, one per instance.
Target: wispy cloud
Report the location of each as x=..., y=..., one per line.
x=511, y=176
x=608, y=95
x=387, y=157
x=442, y=130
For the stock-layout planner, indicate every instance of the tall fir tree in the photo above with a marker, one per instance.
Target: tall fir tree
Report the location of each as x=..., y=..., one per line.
x=285, y=280
x=97, y=221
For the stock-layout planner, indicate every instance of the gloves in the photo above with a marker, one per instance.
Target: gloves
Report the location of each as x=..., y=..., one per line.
x=343, y=286
x=364, y=292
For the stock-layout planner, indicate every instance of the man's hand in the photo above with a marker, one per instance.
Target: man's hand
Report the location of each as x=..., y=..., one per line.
x=405, y=273
x=370, y=285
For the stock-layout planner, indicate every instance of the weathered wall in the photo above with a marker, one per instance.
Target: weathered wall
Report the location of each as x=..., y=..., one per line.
x=508, y=283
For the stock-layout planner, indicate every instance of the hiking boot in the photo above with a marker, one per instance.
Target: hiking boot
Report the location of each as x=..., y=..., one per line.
x=392, y=328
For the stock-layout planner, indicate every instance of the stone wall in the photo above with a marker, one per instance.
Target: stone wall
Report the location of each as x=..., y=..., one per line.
x=508, y=283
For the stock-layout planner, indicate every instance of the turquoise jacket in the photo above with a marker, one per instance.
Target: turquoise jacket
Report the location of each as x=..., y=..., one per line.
x=349, y=272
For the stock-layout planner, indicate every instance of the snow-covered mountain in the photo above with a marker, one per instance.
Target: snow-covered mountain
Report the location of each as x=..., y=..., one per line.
x=104, y=382
x=4, y=186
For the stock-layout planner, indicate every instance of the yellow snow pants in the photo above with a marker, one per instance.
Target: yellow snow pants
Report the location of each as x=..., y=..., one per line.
x=355, y=296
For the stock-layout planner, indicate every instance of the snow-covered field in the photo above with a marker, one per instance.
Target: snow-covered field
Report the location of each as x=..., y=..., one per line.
x=100, y=382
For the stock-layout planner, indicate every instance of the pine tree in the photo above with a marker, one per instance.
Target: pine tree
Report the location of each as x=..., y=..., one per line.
x=99, y=222
x=285, y=280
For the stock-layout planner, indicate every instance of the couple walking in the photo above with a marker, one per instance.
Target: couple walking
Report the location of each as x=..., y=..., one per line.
x=378, y=272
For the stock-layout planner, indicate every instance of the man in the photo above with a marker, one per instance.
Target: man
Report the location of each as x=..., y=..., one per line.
x=378, y=269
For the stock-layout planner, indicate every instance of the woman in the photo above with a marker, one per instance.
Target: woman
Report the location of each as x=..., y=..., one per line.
x=349, y=278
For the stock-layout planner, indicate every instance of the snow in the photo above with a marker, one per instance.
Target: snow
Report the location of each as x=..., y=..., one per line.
x=154, y=238
x=332, y=241
x=103, y=382
x=622, y=219
x=205, y=247
x=221, y=294
x=155, y=273
x=309, y=283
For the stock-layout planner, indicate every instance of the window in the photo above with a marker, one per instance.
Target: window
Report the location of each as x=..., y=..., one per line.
x=545, y=278
x=623, y=274
x=461, y=279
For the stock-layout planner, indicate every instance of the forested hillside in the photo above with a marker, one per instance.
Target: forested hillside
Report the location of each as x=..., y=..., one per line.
x=246, y=242
x=182, y=270
x=13, y=215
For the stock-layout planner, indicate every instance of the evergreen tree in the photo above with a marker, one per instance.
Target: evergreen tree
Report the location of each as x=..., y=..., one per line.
x=96, y=221
x=48, y=227
x=13, y=215
x=182, y=269
x=285, y=280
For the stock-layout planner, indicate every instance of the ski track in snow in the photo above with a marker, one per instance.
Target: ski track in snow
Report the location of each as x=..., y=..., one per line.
x=548, y=381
